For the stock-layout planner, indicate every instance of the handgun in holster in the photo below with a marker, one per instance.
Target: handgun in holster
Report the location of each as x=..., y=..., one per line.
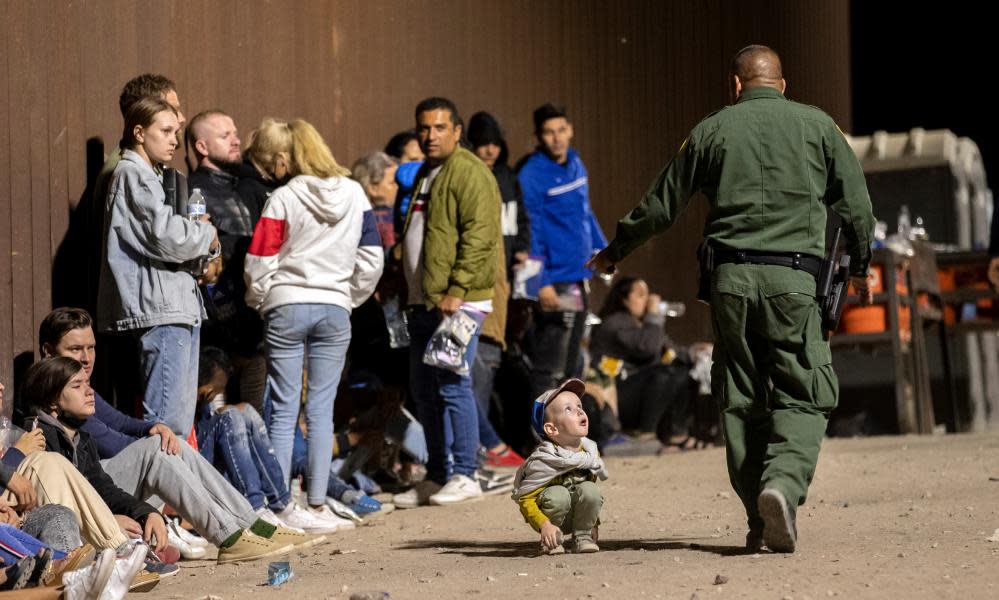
x=706, y=260
x=834, y=277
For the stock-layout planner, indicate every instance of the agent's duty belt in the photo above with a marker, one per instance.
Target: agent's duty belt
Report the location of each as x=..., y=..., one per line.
x=794, y=260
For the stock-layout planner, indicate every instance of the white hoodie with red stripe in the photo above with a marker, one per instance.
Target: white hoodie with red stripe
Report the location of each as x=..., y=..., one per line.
x=316, y=243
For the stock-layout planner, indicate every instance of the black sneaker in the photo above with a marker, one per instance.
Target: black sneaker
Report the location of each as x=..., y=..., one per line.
x=497, y=476
x=491, y=486
x=780, y=533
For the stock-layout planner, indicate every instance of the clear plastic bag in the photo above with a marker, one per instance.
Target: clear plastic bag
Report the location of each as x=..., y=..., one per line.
x=449, y=344
x=9, y=434
x=396, y=323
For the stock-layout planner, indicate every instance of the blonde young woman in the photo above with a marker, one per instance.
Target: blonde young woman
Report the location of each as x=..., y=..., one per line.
x=315, y=256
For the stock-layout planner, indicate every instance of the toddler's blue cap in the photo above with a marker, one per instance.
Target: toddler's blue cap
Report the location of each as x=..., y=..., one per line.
x=541, y=402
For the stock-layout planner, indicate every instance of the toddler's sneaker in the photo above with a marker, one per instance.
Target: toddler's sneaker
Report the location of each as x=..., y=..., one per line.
x=460, y=488
x=585, y=544
x=418, y=495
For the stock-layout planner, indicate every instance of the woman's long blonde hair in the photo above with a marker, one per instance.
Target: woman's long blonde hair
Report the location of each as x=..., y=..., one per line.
x=299, y=143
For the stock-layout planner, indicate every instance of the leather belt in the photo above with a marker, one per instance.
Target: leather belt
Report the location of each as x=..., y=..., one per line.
x=793, y=260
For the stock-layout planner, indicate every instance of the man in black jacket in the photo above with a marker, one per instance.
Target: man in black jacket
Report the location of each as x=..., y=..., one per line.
x=486, y=139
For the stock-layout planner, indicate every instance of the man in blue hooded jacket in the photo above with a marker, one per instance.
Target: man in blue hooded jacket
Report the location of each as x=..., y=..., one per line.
x=564, y=234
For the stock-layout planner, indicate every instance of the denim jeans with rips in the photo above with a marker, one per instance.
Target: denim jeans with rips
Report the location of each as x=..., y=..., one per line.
x=320, y=333
x=236, y=442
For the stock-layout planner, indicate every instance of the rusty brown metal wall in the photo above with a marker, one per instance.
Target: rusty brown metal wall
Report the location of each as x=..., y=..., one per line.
x=634, y=75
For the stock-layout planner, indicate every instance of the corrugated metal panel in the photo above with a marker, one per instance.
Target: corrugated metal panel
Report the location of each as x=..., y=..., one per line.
x=634, y=75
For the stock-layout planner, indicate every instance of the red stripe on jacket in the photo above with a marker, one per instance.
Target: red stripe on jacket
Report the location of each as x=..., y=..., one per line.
x=268, y=237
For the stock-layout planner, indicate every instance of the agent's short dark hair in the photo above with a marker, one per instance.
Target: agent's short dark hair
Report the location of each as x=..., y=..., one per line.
x=396, y=146
x=438, y=103
x=210, y=361
x=45, y=380
x=61, y=321
x=147, y=84
x=547, y=111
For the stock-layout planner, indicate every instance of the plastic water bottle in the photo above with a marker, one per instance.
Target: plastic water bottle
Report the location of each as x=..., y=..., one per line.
x=904, y=223
x=196, y=207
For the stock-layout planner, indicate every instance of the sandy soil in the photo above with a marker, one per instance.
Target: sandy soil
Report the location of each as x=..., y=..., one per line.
x=892, y=517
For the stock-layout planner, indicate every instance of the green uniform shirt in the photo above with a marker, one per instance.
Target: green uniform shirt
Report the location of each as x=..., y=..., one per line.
x=769, y=167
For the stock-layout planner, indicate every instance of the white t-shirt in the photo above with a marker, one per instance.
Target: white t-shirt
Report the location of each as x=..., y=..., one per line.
x=413, y=246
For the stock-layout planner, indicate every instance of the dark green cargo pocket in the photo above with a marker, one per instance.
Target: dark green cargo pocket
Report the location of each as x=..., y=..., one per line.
x=825, y=388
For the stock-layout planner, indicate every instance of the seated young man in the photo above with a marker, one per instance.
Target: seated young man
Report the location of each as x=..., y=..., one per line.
x=146, y=459
x=234, y=438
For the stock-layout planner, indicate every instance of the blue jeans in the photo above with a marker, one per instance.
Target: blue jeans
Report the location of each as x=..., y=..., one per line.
x=169, y=359
x=487, y=360
x=321, y=331
x=300, y=466
x=445, y=403
x=237, y=444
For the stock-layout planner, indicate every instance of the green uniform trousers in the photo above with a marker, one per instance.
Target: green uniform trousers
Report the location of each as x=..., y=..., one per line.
x=772, y=377
x=574, y=506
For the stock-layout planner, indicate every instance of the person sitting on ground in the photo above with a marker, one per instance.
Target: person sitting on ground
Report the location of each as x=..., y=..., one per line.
x=234, y=438
x=629, y=346
x=556, y=486
x=146, y=459
x=57, y=390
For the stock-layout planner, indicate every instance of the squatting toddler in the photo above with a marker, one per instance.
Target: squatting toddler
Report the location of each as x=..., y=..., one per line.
x=556, y=486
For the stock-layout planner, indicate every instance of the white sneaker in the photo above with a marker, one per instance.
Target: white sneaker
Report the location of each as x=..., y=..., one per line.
x=307, y=520
x=343, y=511
x=267, y=515
x=459, y=489
x=88, y=583
x=191, y=538
x=326, y=514
x=418, y=495
x=187, y=551
x=125, y=570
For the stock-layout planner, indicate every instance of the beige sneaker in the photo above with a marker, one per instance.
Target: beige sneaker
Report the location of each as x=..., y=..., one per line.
x=252, y=547
x=585, y=545
x=298, y=539
x=418, y=495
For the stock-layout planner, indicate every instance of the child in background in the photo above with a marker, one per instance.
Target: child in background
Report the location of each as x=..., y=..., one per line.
x=556, y=486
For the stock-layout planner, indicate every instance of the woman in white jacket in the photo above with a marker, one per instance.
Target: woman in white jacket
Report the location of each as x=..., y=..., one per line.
x=315, y=255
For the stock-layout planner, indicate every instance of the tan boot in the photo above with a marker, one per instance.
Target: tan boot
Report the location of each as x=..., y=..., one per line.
x=252, y=547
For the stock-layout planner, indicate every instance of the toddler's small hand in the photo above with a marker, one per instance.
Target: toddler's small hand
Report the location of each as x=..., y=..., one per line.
x=550, y=535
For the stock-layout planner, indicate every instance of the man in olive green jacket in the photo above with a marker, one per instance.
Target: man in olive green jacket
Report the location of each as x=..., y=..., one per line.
x=769, y=167
x=452, y=256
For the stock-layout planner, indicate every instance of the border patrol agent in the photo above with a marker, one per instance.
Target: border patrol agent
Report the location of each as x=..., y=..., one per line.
x=769, y=167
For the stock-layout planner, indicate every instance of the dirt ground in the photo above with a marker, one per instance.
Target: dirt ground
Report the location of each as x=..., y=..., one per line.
x=889, y=517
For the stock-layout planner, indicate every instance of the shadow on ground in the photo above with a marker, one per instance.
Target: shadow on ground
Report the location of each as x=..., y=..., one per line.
x=499, y=549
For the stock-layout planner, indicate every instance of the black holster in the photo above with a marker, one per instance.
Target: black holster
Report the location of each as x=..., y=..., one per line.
x=706, y=260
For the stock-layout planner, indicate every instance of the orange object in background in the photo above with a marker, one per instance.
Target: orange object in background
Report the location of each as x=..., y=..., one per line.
x=948, y=283
x=874, y=318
